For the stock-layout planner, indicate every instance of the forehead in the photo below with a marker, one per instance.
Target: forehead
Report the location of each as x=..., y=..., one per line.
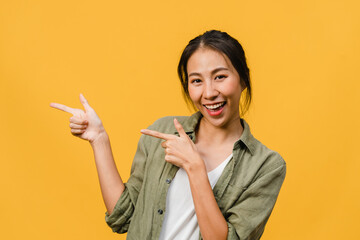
x=207, y=59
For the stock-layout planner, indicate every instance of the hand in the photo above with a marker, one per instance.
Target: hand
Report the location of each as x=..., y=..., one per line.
x=84, y=124
x=180, y=151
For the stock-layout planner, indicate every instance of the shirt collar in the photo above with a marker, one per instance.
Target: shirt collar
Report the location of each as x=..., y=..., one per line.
x=246, y=139
x=191, y=123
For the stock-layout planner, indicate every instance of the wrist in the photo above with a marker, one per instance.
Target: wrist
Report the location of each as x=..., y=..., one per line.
x=195, y=167
x=100, y=139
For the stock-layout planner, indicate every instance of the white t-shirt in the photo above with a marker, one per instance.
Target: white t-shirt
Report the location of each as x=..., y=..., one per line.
x=180, y=222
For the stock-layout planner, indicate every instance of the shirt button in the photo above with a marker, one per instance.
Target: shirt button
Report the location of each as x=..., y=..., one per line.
x=160, y=211
x=190, y=136
x=168, y=181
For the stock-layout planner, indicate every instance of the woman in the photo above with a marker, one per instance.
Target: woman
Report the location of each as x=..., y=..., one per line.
x=203, y=176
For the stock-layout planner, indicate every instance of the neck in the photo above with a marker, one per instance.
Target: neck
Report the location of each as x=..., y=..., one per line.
x=219, y=135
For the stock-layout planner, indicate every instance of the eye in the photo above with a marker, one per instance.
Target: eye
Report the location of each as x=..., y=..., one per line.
x=220, y=77
x=195, y=81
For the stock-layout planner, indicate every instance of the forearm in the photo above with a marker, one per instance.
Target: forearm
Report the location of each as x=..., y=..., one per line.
x=211, y=221
x=110, y=181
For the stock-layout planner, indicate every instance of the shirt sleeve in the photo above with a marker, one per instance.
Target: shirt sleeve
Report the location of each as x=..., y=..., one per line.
x=120, y=218
x=247, y=218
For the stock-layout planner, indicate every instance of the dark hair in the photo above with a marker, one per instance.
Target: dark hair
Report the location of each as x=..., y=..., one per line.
x=224, y=43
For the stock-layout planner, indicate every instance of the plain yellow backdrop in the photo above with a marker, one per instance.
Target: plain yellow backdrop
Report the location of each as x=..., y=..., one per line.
x=122, y=55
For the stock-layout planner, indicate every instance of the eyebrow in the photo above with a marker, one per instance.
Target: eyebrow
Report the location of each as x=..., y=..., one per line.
x=212, y=72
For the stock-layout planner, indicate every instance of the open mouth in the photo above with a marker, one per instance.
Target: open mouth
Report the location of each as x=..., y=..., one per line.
x=215, y=109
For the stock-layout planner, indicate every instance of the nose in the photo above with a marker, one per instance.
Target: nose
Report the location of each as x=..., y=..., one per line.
x=210, y=91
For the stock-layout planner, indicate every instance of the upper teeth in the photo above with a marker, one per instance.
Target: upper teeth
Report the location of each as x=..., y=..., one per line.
x=214, y=106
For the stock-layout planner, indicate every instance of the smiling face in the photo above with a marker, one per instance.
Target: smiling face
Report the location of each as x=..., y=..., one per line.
x=214, y=86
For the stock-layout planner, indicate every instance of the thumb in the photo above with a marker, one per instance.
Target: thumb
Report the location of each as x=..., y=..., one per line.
x=84, y=102
x=179, y=128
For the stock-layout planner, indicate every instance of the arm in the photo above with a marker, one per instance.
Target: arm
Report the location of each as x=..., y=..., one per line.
x=88, y=126
x=249, y=213
x=110, y=181
x=211, y=221
x=181, y=151
x=120, y=218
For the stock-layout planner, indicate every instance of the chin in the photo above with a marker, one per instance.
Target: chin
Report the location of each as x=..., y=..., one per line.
x=215, y=121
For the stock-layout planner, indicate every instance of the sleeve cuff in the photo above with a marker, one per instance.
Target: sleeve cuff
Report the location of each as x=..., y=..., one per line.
x=231, y=232
x=119, y=219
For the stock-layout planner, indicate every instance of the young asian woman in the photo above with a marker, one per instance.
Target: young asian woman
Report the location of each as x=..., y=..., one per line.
x=202, y=176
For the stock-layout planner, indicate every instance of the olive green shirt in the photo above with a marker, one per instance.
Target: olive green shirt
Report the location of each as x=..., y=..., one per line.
x=245, y=192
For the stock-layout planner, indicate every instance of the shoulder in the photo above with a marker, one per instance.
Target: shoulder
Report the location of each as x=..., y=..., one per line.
x=257, y=151
x=257, y=163
x=271, y=156
x=258, y=159
x=268, y=161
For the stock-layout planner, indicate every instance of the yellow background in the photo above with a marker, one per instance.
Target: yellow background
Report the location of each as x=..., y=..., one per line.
x=122, y=55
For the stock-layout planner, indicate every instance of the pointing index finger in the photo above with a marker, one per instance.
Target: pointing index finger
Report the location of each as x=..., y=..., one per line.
x=156, y=134
x=63, y=108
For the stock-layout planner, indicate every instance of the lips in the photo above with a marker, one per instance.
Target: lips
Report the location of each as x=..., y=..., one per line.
x=215, y=109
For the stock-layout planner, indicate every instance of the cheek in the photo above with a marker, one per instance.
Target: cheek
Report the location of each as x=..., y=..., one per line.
x=232, y=88
x=194, y=94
